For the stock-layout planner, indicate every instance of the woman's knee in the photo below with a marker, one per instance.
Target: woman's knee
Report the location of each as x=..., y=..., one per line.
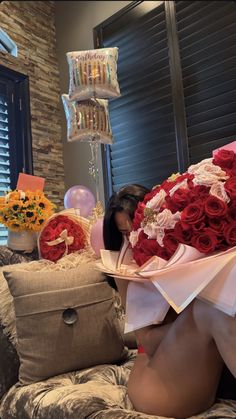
x=211, y=320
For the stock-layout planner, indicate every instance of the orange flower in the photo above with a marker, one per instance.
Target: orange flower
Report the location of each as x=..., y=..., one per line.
x=21, y=210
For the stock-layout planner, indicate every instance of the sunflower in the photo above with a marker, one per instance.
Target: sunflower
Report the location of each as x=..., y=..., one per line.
x=21, y=210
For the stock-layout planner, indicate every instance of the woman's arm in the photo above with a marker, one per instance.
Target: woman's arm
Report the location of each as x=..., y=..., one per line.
x=151, y=336
x=122, y=286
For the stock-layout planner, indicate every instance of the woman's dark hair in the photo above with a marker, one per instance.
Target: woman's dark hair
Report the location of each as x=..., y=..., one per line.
x=126, y=199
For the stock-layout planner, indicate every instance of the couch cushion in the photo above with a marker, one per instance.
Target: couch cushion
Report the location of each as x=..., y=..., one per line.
x=99, y=392
x=9, y=360
x=9, y=364
x=10, y=257
x=63, y=322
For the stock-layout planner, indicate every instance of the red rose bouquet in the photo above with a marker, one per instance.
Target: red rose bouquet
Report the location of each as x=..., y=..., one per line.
x=63, y=234
x=197, y=208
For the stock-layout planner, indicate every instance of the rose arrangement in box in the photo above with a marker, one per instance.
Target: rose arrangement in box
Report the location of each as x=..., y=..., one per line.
x=197, y=208
x=64, y=233
x=25, y=210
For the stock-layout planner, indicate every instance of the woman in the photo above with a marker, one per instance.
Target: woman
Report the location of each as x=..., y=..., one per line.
x=118, y=221
x=179, y=364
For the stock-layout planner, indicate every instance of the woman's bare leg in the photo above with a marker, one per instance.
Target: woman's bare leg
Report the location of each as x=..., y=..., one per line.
x=222, y=328
x=181, y=378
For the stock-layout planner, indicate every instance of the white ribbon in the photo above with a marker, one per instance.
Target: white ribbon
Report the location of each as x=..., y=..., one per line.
x=63, y=237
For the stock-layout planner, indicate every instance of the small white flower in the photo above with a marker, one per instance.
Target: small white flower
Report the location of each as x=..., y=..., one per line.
x=219, y=191
x=164, y=220
x=133, y=237
x=206, y=173
x=195, y=167
x=157, y=201
x=183, y=184
x=150, y=230
x=160, y=235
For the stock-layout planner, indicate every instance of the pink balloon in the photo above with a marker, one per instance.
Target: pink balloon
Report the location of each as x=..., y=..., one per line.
x=80, y=197
x=96, y=236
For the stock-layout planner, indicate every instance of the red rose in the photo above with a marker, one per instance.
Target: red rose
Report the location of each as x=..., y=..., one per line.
x=199, y=225
x=230, y=187
x=232, y=171
x=44, y=248
x=164, y=253
x=47, y=234
x=149, y=246
x=52, y=231
x=179, y=200
x=53, y=253
x=167, y=185
x=60, y=227
x=200, y=192
x=56, y=253
x=205, y=241
x=170, y=242
x=230, y=234
x=183, y=232
x=215, y=207
x=224, y=159
x=193, y=213
x=151, y=194
x=231, y=216
x=139, y=215
x=144, y=249
x=53, y=223
x=78, y=243
x=140, y=257
x=222, y=246
x=217, y=224
x=60, y=218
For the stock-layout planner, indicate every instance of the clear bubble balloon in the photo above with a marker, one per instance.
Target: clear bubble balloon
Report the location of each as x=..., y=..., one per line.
x=80, y=197
x=96, y=236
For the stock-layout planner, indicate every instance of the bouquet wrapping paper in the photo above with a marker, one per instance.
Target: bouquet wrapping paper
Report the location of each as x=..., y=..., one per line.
x=183, y=243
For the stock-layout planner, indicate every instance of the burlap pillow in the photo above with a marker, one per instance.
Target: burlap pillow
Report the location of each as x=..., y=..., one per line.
x=63, y=323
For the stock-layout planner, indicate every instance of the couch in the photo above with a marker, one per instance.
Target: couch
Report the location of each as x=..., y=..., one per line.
x=96, y=392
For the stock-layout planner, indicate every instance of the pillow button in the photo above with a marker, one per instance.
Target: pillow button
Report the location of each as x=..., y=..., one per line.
x=70, y=316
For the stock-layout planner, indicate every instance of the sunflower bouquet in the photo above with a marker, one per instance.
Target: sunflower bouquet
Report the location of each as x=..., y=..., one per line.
x=25, y=210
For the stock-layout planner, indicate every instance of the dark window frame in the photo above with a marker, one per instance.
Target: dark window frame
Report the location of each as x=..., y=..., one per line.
x=20, y=142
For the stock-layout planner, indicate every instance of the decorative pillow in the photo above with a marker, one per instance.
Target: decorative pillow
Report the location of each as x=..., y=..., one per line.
x=84, y=261
x=93, y=73
x=63, y=322
x=87, y=120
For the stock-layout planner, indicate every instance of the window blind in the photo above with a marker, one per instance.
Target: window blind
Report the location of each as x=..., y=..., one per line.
x=207, y=41
x=15, y=132
x=176, y=70
x=144, y=149
x=4, y=153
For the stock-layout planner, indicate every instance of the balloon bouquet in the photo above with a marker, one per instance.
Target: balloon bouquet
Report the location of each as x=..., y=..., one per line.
x=93, y=80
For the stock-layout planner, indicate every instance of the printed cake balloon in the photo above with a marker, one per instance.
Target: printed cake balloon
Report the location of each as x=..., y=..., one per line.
x=93, y=73
x=87, y=120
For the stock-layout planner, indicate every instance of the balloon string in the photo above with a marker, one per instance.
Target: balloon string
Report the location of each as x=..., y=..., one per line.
x=93, y=166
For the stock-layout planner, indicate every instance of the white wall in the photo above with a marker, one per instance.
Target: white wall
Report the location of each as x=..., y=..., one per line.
x=75, y=21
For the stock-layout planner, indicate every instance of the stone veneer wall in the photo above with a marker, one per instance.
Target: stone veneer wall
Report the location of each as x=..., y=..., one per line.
x=30, y=24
